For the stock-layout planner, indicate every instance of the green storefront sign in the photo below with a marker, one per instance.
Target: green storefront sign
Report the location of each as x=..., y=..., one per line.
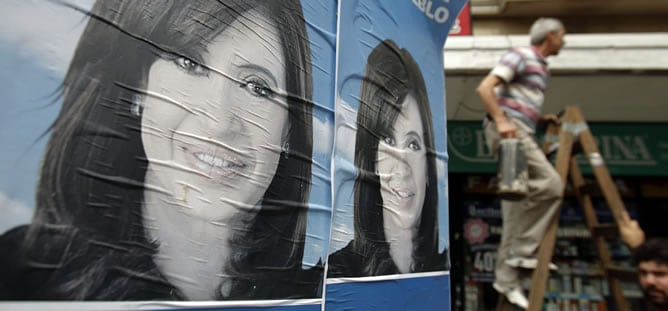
x=630, y=149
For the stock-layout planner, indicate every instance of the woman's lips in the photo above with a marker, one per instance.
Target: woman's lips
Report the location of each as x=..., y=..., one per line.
x=403, y=193
x=219, y=166
x=218, y=159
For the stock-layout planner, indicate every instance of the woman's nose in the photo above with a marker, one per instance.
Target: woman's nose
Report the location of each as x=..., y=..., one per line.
x=230, y=109
x=400, y=167
x=234, y=123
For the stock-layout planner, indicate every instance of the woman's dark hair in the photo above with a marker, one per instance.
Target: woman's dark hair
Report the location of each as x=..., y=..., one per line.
x=391, y=75
x=88, y=228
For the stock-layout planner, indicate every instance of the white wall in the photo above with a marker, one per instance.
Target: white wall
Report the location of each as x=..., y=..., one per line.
x=612, y=77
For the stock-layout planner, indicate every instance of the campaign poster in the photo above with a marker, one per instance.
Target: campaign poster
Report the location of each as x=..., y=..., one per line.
x=165, y=154
x=389, y=241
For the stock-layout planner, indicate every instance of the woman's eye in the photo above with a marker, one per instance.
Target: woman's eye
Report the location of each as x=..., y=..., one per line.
x=258, y=88
x=414, y=145
x=389, y=140
x=191, y=66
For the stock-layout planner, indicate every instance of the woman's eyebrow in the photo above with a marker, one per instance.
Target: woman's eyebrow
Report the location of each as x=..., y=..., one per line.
x=414, y=134
x=266, y=72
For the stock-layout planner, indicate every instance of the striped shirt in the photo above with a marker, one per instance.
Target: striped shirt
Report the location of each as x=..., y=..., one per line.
x=525, y=74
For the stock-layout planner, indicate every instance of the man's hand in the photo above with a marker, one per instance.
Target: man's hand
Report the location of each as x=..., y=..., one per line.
x=630, y=231
x=506, y=128
x=550, y=118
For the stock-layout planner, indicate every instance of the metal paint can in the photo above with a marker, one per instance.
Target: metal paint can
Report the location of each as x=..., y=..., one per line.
x=512, y=172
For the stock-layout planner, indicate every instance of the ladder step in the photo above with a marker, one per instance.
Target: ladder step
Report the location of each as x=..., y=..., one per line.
x=605, y=230
x=622, y=273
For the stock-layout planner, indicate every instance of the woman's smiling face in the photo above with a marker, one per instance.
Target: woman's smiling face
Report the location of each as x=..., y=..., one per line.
x=213, y=132
x=402, y=168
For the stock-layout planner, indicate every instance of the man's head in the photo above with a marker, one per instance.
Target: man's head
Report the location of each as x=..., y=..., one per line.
x=548, y=35
x=652, y=260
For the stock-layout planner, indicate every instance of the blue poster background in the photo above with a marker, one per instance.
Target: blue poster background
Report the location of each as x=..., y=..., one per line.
x=37, y=41
x=34, y=57
x=364, y=24
x=421, y=293
x=421, y=27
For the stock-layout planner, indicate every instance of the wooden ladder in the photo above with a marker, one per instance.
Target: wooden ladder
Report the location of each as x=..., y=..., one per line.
x=573, y=135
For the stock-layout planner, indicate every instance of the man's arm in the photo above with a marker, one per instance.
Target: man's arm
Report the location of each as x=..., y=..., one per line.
x=630, y=231
x=505, y=127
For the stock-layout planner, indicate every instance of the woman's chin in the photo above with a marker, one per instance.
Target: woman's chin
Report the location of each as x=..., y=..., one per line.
x=401, y=225
x=220, y=216
x=402, y=216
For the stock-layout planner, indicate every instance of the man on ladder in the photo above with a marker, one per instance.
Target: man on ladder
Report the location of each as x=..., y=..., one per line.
x=513, y=95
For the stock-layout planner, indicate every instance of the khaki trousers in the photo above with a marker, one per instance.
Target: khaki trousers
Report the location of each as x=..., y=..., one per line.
x=525, y=221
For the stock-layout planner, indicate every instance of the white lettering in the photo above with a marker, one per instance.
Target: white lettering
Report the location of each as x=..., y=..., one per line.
x=638, y=145
x=441, y=15
x=484, y=261
x=419, y=4
x=481, y=150
x=427, y=11
x=624, y=148
x=483, y=212
x=437, y=13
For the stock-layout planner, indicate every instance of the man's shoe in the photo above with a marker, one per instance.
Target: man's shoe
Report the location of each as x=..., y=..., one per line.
x=526, y=263
x=514, y=295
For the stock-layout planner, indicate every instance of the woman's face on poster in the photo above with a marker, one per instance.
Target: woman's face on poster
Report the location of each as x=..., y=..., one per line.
x=213, y=132
x=402, y=168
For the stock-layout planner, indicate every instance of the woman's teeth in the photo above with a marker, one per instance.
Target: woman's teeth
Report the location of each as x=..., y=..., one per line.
x=217, y=162
x=403, y=194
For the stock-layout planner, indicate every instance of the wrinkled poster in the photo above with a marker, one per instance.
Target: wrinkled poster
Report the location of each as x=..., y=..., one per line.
x=181, y=154
x=166, y=151
x=389, y=241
